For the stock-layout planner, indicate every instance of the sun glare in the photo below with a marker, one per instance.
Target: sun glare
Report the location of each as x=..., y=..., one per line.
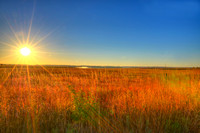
x=25, y=51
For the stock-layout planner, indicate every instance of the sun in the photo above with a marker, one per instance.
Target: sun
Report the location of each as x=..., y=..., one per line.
x=25, y=51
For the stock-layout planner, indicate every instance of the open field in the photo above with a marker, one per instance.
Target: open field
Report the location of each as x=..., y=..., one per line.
x=38, y=99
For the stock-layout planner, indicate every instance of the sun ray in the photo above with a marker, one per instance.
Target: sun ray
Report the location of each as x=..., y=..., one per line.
x=8, y=76
x=28, y=75
x=14, y=41
x=30, y=96
x=30, y=26
x=42, y=39
x=34, y=37
x=8, y=44
x=13, y=31
x=3, y=58
x=23, y=38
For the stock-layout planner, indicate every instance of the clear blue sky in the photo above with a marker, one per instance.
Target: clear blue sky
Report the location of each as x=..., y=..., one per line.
x=139, y=33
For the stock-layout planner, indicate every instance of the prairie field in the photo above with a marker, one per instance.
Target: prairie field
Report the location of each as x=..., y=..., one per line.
x=44, y=99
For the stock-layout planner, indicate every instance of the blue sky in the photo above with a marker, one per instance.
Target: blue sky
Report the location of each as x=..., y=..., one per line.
x=91, y=32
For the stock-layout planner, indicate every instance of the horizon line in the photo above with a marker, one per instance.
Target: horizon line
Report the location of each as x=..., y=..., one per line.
x=105, y=66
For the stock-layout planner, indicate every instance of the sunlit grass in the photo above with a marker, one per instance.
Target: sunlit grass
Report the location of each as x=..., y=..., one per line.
x=99, y=100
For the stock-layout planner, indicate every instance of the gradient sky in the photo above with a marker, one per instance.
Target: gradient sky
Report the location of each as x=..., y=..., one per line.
x=117, y=33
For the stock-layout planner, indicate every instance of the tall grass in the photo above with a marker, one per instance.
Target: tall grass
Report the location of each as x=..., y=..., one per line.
x=99, y=100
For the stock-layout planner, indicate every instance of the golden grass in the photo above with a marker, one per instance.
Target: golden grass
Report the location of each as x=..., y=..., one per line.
x=37, y=99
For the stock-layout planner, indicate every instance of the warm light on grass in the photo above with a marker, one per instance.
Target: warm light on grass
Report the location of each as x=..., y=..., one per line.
x=48, y=98
x=25, y=51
